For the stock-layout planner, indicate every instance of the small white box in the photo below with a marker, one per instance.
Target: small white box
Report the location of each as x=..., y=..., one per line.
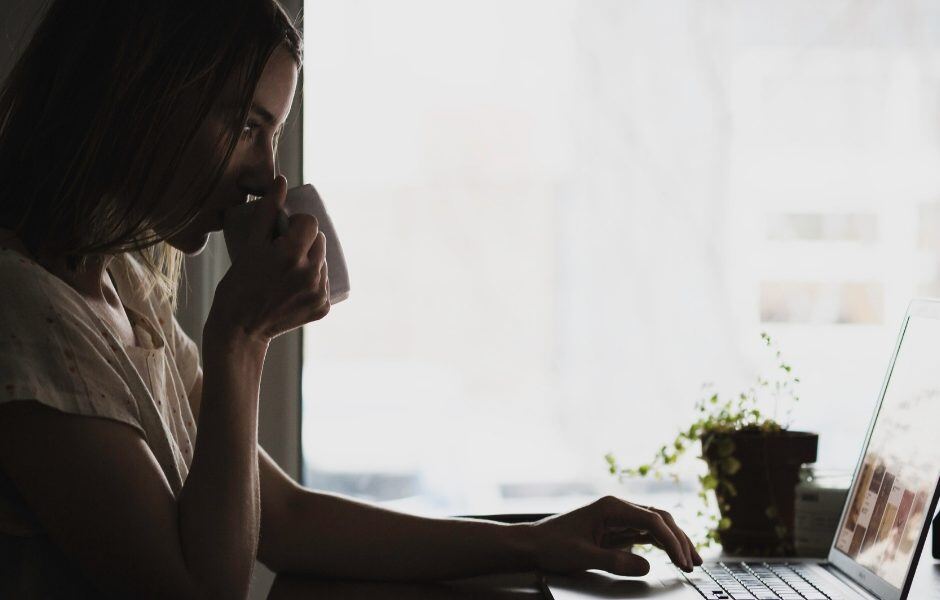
x=819, y=503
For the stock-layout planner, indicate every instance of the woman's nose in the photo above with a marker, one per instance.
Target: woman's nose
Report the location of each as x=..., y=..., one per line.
x=257, y=176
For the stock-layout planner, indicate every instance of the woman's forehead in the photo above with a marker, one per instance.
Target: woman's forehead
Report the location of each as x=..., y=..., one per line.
x=275, y=91
x=273, y=94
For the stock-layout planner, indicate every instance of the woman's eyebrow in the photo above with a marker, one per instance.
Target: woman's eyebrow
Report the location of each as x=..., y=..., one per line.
x=264, y=113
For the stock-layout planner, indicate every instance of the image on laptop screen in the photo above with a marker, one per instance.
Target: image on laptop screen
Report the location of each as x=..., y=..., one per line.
x=898, y=476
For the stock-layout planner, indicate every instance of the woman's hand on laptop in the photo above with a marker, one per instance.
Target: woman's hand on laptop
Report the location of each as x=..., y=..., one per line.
x=599, y=535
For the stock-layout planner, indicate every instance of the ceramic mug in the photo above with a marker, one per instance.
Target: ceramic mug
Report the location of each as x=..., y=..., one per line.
x=302, y=199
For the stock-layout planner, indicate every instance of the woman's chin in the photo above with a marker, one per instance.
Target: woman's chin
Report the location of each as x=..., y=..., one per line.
x=188, y=243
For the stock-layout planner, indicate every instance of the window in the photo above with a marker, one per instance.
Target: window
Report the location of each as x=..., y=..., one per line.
x=562, y=217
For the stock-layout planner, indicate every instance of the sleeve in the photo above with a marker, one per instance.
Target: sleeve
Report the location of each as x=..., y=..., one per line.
x=54, y=351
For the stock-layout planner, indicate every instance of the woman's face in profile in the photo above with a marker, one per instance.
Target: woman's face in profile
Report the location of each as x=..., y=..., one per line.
x=251, y=168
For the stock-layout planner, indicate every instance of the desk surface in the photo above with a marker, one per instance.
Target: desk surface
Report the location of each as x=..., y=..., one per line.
x=522, y=586
x=505, y=587
x=927, y=578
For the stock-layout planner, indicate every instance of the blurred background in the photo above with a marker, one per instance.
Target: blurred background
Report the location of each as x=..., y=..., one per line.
x=561, y=218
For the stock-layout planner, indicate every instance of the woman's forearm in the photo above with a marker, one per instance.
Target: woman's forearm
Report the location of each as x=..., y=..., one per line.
x=340, y=537
x=219, y=505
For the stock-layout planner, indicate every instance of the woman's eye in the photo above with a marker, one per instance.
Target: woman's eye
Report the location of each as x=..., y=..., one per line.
x=248, y=130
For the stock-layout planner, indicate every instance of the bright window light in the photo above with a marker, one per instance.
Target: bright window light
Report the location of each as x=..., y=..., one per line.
x=562, y=217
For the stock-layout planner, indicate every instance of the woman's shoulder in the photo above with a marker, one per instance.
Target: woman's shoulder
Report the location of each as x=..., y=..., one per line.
x=27, y=285
x=24, y=279
x=41, y=317
x=32, y=295
x=35, y=302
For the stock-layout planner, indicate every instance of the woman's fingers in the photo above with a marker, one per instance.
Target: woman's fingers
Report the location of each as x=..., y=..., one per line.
x=325, y=278
x=667, y=539
x=626, y=540
x=620, y=513
x=696, y=557
x=302, y=235
x=317, y=252
x=687, y=548
x=326, y=271
x=629, y=538
x=303, y=310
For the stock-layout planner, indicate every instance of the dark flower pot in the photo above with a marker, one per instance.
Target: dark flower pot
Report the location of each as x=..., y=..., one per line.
x=757, y=473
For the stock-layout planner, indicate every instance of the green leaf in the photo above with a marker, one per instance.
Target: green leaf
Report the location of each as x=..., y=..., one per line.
x=725, y=446
x=724, y=524
x=729, y=487
x=730, y=465
x=611, y=463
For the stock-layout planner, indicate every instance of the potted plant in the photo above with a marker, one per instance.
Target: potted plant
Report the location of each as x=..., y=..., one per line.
x=753, y=461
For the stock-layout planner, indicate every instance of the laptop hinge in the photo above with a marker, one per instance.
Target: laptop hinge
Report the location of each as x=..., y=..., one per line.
x=844, y=578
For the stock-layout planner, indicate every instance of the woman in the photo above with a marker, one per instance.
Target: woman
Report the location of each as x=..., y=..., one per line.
x=126, y=129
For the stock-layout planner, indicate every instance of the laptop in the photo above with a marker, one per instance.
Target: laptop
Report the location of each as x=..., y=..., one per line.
x=884, y=521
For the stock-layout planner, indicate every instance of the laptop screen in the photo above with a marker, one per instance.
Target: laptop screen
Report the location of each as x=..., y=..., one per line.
x=894, y=487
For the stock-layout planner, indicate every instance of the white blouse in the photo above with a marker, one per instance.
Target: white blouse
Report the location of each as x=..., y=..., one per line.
x=55, y=350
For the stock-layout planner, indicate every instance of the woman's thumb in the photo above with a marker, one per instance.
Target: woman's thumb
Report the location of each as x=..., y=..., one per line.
x=269, y=209
x=621, y=562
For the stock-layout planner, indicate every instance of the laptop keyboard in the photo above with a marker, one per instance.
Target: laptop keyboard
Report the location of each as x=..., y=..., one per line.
x=759, y=581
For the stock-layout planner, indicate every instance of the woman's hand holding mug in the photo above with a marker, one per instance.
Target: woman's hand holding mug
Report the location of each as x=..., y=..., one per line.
x=277, y=282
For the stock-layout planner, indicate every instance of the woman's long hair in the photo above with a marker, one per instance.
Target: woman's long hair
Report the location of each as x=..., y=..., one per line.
x=102, y=104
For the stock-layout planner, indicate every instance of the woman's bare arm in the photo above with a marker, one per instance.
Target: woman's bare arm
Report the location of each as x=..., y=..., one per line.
x=328, y=535
x=220, y=505
x=335, y=536
x=102, y=498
